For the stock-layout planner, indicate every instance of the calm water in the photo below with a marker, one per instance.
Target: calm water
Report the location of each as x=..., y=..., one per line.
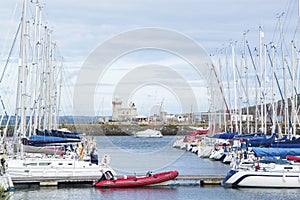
x=131, y=155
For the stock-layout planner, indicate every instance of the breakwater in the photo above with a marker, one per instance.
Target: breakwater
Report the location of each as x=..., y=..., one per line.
x=124, y=130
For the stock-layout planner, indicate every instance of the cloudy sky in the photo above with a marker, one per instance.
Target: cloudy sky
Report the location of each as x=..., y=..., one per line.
x=79, y=27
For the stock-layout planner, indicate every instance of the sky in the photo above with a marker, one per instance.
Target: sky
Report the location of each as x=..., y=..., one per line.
x=80, y=27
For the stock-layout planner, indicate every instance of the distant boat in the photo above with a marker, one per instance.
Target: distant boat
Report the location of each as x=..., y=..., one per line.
x=148, y=133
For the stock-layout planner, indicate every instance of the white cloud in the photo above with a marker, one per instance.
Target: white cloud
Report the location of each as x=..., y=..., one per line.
x=79, y=26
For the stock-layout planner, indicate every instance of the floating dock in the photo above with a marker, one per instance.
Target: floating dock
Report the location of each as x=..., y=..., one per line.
x=28, y=182
x=204, y=179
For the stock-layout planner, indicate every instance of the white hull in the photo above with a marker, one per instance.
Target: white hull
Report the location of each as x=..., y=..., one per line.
x=261, y=178
x=205, y=151
x=149, y=133
x=6, y=182
x=54, y=167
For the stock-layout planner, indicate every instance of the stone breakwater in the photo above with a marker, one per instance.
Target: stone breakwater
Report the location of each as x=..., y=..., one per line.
x=116, y=130
x=122, y=130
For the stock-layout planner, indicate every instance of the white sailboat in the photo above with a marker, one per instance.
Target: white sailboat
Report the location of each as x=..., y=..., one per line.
x=44, y=104
x=56, y=167
x=262, y=171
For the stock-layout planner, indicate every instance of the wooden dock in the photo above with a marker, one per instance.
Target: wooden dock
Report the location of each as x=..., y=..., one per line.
x=21, y=182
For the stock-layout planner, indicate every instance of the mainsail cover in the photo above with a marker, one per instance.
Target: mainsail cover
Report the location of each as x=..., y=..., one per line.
x=282, y=152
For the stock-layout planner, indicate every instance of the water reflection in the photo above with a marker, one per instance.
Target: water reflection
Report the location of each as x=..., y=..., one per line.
x=138, y=193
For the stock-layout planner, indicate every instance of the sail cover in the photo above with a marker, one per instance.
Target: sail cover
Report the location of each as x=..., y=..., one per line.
x=282, y=152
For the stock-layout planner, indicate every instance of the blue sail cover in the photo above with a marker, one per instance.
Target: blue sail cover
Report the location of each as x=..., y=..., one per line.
x=261, y=141
x=225, y=135
x=37, y=140
x=282, y=152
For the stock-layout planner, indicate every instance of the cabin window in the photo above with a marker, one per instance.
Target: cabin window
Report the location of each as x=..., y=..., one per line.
x=288, y=167
x=30, y=164
x=70, y=163
x=60, y=164
x=44, y=164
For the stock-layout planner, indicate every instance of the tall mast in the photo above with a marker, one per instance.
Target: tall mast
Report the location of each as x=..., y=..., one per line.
x=293, y=111
x=50, y=82
x=228, y=90
x=274, y=107
x=247, y=89
x=284, y=78
x=240, y=98
x=234, y=88
x=36, y=108
x=59, y=95
x=33, y=66
x=224, y=113
x=256, y=96
x=261, y=35
x=21, y=80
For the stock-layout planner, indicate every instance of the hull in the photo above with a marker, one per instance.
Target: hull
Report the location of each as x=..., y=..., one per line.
x=149, y=133
x=41, y=167
x=134, y=181
x=246, y=178
x=205, y=151
x=6, y=183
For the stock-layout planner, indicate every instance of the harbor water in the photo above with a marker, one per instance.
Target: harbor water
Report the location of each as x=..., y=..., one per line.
x=130, y=155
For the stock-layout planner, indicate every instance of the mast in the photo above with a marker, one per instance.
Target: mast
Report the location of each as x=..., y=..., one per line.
x=261, y=35
x=274, y=110
x=228, y=90
x=293, y=111
x=224, y=113
x=256, y=96
x=20, y=111
x=247, y=88
x=234, y=88
x=240, y=98
x=59, y=95
x=33, y=67
x=284, y=78
x=265, y=90
x=50, y=82
x=36, y=107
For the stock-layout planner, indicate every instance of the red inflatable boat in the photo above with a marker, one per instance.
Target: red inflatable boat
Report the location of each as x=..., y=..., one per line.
x=109, y=181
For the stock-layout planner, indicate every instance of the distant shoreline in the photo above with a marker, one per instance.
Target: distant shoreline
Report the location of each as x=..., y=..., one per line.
x=120, y=130
x=117, y=130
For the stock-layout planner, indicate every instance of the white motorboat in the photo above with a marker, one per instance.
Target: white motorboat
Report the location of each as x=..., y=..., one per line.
x=149, y=133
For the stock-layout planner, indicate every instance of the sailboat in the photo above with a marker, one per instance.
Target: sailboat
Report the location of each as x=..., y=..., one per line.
x=50, y=152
